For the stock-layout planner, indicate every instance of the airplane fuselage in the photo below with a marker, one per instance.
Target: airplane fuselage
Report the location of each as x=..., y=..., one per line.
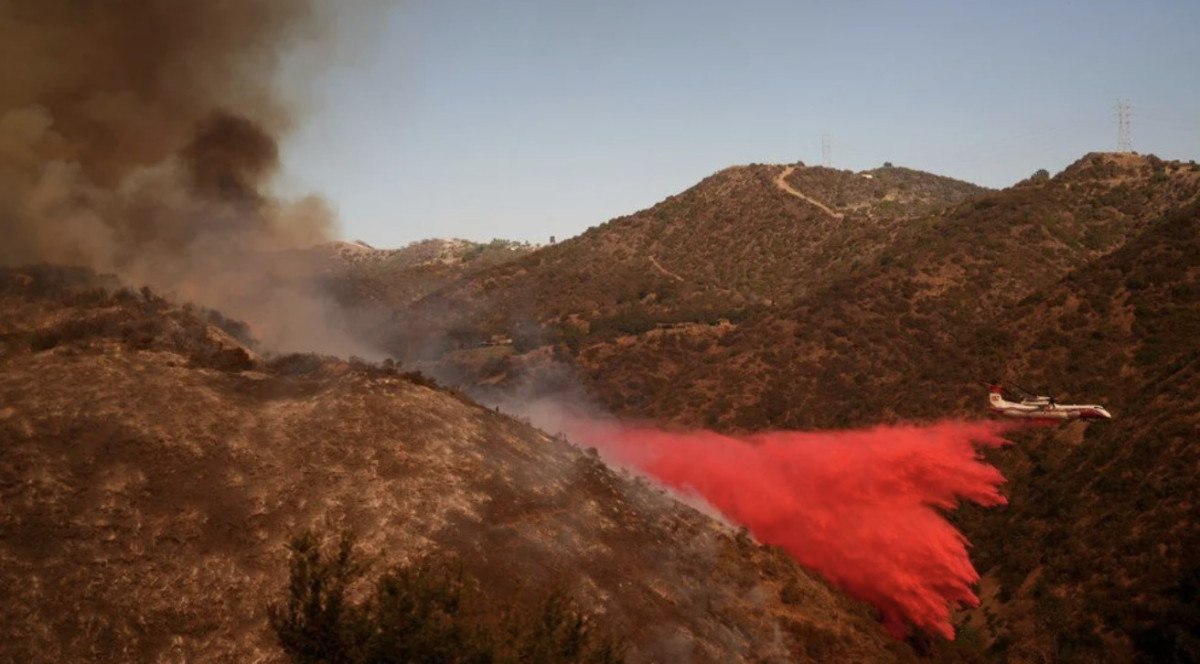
x=1044, y=409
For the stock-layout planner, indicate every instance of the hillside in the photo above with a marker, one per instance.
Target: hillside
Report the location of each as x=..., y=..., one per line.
x=1118, y=328
x=1083, y=284
x=930, y=313
x=1094, y=560
x=887, y=191
x=358, y=274
x=1121, y=331
x=1131, y=314
x=734, y=243
x=153, y=468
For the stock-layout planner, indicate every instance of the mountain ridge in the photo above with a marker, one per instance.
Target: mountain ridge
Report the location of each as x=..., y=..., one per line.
x=657, y=264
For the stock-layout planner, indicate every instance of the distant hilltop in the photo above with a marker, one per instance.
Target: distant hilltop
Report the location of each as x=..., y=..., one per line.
x=434, y=250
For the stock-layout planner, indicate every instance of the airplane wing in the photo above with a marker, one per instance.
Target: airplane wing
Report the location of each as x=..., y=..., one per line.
x=1025, y=394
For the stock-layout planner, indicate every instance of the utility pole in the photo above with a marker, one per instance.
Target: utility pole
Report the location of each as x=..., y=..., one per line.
x=1124, y=126
x=826, y=151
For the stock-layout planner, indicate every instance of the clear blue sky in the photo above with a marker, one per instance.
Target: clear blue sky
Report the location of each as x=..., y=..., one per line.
x=530, y=118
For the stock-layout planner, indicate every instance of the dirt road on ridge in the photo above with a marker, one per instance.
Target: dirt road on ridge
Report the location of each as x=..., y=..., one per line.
x=781, y=182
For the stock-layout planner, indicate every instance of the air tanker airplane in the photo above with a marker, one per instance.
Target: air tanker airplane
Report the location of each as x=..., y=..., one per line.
x=1035, y=407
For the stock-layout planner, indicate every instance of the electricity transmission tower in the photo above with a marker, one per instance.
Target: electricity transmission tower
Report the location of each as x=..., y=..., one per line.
x=826, y=150
x=1124, y=124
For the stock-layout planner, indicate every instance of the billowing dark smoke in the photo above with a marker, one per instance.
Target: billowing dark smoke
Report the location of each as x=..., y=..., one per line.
x=141, y=138
x=228, y=157
x=125, y=83
x=862, y=507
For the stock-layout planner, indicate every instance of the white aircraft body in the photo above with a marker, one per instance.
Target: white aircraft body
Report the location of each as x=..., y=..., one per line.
x=1034, y=407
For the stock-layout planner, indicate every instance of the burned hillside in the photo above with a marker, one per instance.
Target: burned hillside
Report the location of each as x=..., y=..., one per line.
x=149, y=491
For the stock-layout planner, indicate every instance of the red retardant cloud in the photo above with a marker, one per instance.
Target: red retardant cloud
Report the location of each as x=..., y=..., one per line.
x=861, y=507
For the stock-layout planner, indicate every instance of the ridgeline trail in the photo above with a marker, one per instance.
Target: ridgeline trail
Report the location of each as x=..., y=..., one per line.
x=781, y=182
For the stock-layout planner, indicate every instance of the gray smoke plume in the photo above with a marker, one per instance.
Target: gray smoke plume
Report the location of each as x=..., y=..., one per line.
x=140, y=136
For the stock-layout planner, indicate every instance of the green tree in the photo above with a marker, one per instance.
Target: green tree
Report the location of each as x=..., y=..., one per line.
x=314, y=624
x=427, y=611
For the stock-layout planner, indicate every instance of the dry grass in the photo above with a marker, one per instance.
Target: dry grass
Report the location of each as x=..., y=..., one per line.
x=147, y=500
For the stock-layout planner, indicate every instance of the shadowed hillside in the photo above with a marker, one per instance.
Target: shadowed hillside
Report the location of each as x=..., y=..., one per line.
x=1107, y=517
x=153, y=469
x=1094, y=559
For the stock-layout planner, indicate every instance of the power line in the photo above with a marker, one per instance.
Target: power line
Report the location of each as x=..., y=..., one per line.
x=1124, y=126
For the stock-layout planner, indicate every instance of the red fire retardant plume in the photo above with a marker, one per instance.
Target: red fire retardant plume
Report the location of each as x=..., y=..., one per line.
x=861, y=507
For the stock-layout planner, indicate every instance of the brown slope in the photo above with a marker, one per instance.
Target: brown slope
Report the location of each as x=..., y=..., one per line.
x=733, y=242
x=927, y=315
x=1110, y=326
x=152, y=470
x=889, y=191
x=1079, y=283
x=1094, y=559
